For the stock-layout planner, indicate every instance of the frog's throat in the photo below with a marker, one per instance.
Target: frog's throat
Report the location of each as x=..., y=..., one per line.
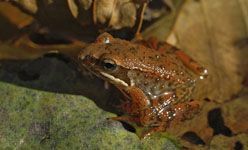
x=116, y=80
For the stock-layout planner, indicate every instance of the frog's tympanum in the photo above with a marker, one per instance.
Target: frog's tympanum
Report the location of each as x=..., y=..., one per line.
x=156, y=78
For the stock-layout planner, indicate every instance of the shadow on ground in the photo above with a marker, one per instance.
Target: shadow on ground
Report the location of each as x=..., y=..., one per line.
x=56, y=73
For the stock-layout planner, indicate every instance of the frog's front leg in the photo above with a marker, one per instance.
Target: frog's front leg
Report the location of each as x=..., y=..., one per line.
x=136, y=102
x=138, y=97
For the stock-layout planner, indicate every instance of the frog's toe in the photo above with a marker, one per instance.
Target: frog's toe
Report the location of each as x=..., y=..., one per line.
x=125, y=118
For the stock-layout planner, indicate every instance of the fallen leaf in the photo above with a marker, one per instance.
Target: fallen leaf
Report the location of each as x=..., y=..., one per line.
x=237, y=142
x=208, y=31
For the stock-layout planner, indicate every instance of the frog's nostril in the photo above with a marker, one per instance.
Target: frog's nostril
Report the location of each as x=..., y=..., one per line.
x=85, y=57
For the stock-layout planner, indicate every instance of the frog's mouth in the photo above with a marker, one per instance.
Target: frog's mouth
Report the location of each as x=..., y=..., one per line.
x=115, y=81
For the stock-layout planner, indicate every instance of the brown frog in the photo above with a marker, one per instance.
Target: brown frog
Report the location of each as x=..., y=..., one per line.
x=156, y=78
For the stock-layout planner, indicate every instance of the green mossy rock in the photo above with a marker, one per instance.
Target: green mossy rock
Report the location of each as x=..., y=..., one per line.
x=33, y=119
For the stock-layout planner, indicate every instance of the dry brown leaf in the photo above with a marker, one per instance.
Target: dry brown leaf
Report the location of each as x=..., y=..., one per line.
x=14, y=15
x=237, y=142
x=215, y=33
x=82, y=18
x=210, y=31
x=162, y=28
x=24, y=49
x=236, y=115
x=198, y=125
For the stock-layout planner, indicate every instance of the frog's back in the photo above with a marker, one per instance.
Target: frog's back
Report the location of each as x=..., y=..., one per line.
x=157, y=73
x=160, y=63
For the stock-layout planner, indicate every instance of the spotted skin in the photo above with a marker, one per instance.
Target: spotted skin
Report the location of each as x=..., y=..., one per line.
x=156, y=78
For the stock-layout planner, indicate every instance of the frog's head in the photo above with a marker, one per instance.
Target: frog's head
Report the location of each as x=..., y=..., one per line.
x=102, y=59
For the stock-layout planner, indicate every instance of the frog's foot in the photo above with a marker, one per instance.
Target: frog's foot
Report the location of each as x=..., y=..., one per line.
x=126, y=106
x=125, y=119
x=151, y=131
x=184, y=111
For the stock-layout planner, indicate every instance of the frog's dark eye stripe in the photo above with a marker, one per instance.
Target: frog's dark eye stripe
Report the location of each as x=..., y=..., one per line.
x=109, y=64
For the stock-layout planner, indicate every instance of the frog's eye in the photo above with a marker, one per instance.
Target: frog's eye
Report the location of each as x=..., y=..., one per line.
x=109, y=64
